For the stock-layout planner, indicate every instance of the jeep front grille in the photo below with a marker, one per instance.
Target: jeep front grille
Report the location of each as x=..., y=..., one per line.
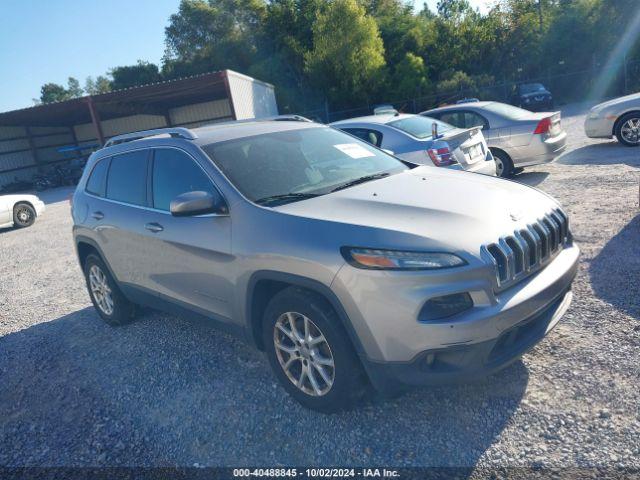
x=516, y=256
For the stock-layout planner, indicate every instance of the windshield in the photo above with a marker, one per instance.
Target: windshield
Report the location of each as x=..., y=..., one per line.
x=507, y=111
x=531, y=88
x=281, y=167
x=420, y=126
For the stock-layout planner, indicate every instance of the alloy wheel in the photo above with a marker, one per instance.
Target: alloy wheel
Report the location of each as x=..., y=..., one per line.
x=304, y=354
x=499, y=166
x=24, y=215
x=100, y=290
x=630, y=130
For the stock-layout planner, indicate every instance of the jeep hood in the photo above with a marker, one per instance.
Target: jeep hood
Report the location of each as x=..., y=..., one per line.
x=434, y=207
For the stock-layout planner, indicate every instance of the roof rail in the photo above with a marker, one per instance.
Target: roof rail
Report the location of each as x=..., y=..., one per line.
x=290, y=118
x=179, y=132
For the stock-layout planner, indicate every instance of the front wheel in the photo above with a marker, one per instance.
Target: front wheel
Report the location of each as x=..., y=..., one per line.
x=628, y=130
x=504, y=165
x=23, y=215
x=310, y=352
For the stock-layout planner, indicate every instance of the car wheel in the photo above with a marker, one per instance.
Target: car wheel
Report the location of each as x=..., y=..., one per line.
x=504, y=165
x=310, y=352
x=23, y=215
x=628, y=130
x=108, y=300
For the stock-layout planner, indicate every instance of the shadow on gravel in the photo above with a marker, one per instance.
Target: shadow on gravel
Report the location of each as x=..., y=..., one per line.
x=606, y=153
x=56, y=195
x=531, y=178
x=615, y=272
x=163, y=391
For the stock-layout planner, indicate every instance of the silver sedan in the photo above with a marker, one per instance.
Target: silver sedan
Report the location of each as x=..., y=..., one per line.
x=619, y=117
x=517, y=138
x=424, y=141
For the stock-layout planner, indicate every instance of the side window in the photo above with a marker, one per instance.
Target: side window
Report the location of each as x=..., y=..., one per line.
x=175, y=173
x=453, y=118
x=472, y=119
x=98, y=178
x=371, y=136
x=127, y=179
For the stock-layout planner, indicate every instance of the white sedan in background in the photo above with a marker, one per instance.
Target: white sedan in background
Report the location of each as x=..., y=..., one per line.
x=19, y=210
x=619, y=117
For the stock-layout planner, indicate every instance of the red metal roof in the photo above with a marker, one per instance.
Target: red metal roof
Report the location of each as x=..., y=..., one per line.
x=155, y=99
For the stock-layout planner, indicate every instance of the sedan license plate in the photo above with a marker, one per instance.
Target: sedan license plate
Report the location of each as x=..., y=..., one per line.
x=475, y=152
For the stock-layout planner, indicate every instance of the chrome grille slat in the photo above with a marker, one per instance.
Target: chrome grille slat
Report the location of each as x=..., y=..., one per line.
x=515, y=256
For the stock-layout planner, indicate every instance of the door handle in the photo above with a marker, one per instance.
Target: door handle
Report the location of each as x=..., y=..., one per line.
x=98, y=215
x=154, y=227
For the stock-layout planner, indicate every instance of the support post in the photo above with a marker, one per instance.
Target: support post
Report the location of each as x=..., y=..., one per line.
x=32, y=147
x=95, y=119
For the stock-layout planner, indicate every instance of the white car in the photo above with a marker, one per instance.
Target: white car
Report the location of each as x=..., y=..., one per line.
x=619, y=117
x=19, y=210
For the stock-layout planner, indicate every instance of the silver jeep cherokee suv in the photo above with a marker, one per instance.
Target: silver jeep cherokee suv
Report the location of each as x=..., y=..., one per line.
x=345, y=264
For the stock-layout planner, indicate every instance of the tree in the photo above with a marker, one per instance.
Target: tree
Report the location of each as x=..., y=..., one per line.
x=54, y=92
x=129, y=76
x=74, y=89
x=409, y=78
x=212, y=35
x=95, y=87
x=345, y=69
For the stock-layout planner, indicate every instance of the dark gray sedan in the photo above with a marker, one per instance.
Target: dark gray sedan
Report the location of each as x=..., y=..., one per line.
x=517, y=138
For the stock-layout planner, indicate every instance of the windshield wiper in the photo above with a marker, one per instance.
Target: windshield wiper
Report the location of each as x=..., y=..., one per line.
x=366, y=178
x=285, y=198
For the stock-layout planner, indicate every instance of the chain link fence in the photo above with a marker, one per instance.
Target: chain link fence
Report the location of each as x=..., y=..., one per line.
x=592, y=83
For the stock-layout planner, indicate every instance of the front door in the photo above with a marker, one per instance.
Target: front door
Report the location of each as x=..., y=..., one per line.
x=188, y=257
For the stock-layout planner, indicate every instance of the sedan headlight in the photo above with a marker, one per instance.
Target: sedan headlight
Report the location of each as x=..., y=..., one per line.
x=593, y=115
x=375, y=259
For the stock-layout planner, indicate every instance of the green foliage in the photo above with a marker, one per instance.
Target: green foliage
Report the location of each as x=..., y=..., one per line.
x=101, y=84
x=129, y=76
x=54, y=92
x=212, y=35
x=347, y=54
x=410, y=77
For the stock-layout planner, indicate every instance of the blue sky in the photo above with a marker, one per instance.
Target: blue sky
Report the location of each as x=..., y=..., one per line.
x=48, y=41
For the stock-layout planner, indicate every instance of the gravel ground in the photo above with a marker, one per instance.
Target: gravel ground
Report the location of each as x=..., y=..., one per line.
x=163, y=391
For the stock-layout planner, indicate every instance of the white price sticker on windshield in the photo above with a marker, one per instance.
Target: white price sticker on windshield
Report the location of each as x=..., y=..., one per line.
x=354, y=150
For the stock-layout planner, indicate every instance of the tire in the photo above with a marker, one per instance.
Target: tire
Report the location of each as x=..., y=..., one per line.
x=108, y=300
x=23, y=215
x=628, y=129
x=504, y=165
x=340, y=387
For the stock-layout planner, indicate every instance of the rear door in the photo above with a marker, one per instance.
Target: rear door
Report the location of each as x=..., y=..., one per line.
x=188, y=258
x=118, y=216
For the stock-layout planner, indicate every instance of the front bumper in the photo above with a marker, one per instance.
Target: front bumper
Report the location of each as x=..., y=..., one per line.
x=471, y=362
x=600, y=127
x=39, y=208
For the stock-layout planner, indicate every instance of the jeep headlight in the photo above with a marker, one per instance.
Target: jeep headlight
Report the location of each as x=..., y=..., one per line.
x=377, y=259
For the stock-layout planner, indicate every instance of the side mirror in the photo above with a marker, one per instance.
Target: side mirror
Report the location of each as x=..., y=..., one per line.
x=197, y=203
x=386, y=150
